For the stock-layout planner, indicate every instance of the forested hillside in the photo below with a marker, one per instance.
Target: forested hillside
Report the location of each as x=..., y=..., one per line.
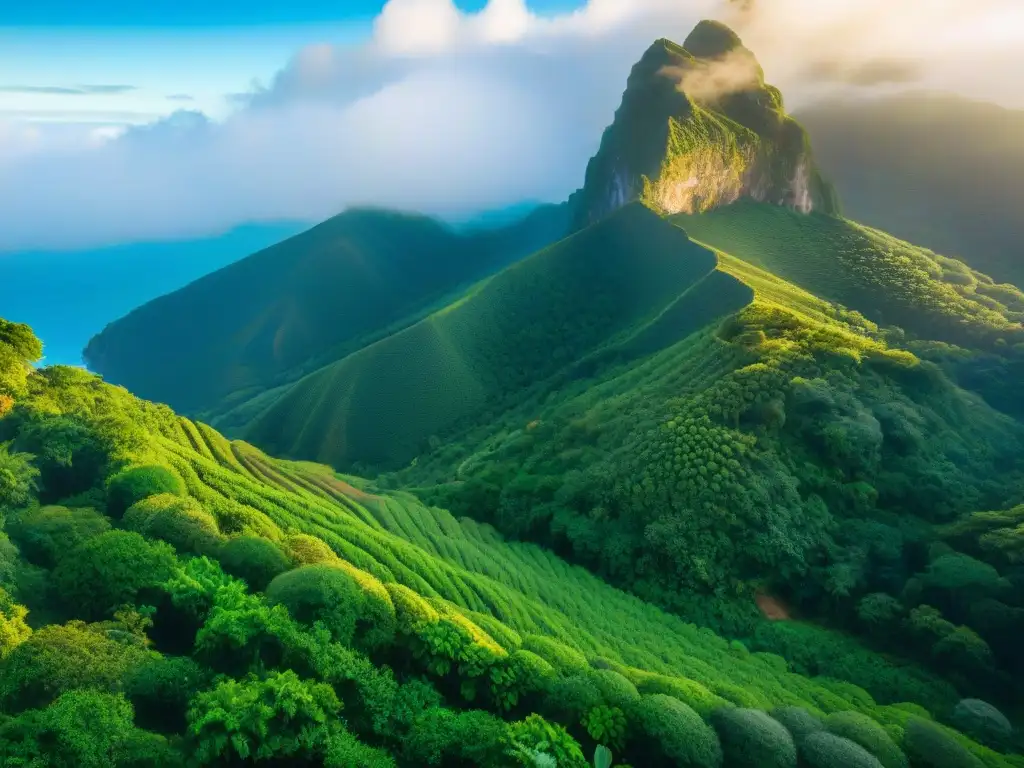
x=939, y=170
x=168, y=596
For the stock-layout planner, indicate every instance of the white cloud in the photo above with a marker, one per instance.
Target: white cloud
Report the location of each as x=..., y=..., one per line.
x=446, y=112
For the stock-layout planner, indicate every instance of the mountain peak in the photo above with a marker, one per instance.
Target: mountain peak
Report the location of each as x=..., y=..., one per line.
x=711, y=40
x=697, y=128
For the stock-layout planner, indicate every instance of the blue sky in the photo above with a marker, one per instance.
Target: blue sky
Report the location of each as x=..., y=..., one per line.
x=123, y=120
x=165, y=54
x=178, y=14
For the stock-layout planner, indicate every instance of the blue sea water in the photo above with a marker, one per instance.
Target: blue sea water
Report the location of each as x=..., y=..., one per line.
x=68, y=297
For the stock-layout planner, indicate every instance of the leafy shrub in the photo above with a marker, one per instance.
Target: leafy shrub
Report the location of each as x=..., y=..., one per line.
x=142, y=749
x=535, y=734
x=45, y=534
x=606, y=725
x=308, y=550
x=826, y=750
x=110, y=570
x=329, y=594
x=13, y=629
x=18, y=476
x=616, y=690
x=690, y=692
x=346, y=751
x=560, y=656
x=523, y=674
x=279, y=717
x=929, y=746
x=194, y=586
x=751, y=739
x=82, y=728
x=160, y=689
x=984, y=722
x=235, y=518
x=862, y=730
x=571, y=698
x=243, y=634
x=58, y=658
x=682, y=738
x=254, y=560
x=179, y=520
x=137, y=483
x=457, y=739
x=798, y=721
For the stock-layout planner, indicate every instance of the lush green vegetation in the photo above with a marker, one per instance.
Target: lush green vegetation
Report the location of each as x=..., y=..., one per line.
x=765, y=434
x=366, y=629
x=892, y=282
x=938, y=170
x=301, y=304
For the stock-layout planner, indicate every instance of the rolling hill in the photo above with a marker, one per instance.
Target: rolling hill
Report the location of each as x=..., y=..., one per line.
x=301, y=303
x=938, y=170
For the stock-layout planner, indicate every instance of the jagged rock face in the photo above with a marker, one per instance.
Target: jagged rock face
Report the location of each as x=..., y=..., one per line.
x=699, y=128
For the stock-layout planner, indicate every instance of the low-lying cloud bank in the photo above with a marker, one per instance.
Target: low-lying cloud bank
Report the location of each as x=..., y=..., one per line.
x=446, y=113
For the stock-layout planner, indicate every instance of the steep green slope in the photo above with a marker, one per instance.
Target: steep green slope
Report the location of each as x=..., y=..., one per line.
x=545, y=314
x=698, y=128
x=300, y=304
x=424, y=620
x=942, y=171
x=891, y=281
x=938, y=307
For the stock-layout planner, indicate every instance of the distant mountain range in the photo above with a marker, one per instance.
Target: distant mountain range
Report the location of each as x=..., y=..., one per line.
x=942, y=171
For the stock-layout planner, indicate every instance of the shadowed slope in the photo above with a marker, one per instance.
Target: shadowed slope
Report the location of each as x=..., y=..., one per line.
x=302, y=303
x=513, y=331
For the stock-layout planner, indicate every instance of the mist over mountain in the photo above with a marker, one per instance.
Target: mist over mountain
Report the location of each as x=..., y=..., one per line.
x=939, y=170
x=698, y=127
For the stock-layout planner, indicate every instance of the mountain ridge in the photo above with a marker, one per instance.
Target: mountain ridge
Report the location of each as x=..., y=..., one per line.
x=294, y=302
